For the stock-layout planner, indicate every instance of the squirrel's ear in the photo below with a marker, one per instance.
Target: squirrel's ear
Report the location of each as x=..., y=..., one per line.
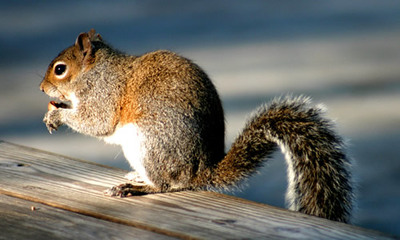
x=84, y=44
x=93, y=36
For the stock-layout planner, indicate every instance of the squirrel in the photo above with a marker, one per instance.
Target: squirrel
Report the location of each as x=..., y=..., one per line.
x=167, y=115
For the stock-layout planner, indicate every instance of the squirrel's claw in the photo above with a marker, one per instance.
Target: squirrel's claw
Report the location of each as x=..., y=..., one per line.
x=50, y=128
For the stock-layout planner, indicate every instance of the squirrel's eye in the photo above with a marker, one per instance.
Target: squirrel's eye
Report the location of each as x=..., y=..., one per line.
x=60, y=69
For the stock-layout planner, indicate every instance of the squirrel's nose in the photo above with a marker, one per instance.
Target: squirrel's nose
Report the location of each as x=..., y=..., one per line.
x=41, y=87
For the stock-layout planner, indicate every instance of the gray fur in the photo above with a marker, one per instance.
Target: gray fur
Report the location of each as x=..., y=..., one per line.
x=318, y=170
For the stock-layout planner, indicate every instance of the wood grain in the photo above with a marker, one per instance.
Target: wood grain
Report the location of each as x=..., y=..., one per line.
x=77, y=186
x=19, y=221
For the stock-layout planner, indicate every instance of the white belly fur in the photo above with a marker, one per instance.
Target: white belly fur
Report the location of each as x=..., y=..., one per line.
x=132, y=140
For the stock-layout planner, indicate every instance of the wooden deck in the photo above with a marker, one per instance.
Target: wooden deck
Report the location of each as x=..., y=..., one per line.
x=48, y=196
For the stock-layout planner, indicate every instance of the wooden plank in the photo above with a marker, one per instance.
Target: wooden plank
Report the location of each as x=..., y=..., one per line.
x=77, y=186
x=19, y=221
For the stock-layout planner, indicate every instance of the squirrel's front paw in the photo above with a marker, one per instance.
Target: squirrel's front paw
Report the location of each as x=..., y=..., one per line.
x=52, y=120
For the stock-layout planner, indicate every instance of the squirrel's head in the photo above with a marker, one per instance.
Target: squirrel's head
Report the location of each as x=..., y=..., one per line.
x=66, y=67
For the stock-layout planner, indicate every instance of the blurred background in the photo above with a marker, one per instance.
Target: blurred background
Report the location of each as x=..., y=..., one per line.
x=345, y=54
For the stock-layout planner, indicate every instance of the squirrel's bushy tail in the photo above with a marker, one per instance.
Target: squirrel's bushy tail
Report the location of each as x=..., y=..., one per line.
x=318, y=170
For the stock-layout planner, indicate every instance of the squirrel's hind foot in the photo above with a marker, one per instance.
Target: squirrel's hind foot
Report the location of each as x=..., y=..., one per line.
x=128, y=189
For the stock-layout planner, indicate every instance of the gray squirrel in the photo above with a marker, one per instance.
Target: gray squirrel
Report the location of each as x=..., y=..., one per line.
x=166, y=114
